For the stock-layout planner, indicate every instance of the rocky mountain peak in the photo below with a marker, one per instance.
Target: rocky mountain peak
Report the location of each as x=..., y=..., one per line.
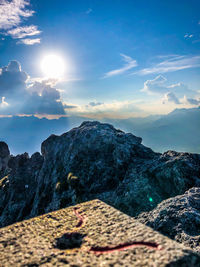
x=89, y=135
x=91, y=161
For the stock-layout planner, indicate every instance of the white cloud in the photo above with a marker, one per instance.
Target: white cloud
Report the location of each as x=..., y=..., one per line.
x=188, y=35
x=12, y=15
x=21, y=32
x=155, y=86
x=171, y=94
x=172, y=64
x=159, y=86
x=130, y=63
x=3, y=103
x=114, y=109
x=170, y=97
x=12, y=12
x=191, y=101
x=28, y=41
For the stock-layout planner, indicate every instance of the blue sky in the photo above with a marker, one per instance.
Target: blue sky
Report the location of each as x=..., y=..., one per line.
x=123, y=58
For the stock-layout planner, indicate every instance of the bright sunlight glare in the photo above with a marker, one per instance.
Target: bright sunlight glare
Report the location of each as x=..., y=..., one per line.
x=53, y=66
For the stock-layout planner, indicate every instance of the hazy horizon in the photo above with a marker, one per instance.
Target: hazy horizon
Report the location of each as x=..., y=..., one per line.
x=104, y=60
x=179, y=130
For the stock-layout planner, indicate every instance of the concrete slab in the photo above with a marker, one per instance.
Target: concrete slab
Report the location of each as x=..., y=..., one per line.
x=89, y=234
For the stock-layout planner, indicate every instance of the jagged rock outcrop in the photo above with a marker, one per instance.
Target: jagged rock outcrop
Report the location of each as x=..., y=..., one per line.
x=91, y=161
x=17, y=188
x=4, y=157
x=178, y=218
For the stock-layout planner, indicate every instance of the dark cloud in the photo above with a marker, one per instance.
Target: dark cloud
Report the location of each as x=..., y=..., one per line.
x=45, y=102
x=94, y=104
x=12, y=80
x=69, y=106
x=16, y=97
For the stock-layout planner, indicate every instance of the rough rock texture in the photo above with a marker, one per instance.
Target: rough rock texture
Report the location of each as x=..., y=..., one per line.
x=90, y=234
x=17, y=188
x=178, y=218
x=92, y=161
x=4, y=157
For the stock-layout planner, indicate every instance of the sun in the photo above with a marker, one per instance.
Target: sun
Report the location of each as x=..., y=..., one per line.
x=53, y=66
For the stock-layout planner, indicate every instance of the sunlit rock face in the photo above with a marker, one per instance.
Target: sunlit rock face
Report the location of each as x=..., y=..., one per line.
x=93, y=161
x=178, y=218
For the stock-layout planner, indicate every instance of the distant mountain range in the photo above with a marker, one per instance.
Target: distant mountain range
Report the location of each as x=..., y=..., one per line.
x=178, y=130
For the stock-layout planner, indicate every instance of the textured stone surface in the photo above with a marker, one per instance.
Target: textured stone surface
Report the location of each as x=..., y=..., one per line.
x=4, y=156
x=91, y=161
x=71, y=236
x=178, y=218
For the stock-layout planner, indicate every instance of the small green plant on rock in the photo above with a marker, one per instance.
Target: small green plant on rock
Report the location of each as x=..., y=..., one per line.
x=71, y=176
x=71, y=180
x=3, y=181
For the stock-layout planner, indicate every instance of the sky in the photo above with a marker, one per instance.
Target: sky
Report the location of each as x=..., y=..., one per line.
x=99, y=59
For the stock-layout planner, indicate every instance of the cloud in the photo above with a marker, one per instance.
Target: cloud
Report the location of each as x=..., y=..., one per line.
x=188, y=36
x=3, y=103
x=172, y=64
x=28, y=41
x=94, y=104
x=19, y=97
x=176, y=94
x=67, y=106
x=159, y=86
x=12, y=79
x=155, y=86
x=114, y=109
x=192, y=101
x=170, y=97
x=46, y=102
x=22, y=32
x=12, y=13
x=89, y=11
x=130, y=63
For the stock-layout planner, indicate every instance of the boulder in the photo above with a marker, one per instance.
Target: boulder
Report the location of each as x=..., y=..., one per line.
x=177, y=218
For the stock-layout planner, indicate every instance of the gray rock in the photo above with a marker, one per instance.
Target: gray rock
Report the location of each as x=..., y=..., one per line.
x=178, y=218
x=92, y=161
x=4, y=156
x=17, y=188
x=90, y=234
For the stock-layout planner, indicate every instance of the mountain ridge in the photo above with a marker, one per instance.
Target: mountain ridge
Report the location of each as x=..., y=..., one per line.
x=161, y=133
